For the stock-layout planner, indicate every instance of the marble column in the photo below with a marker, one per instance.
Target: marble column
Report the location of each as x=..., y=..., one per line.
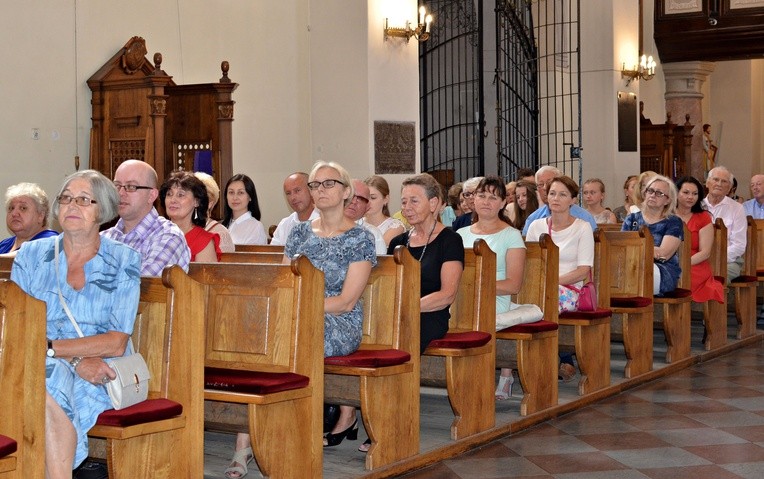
x=683, y=97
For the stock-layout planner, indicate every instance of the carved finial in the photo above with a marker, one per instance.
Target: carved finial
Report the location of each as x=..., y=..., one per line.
x=687, y=119
x=668, y=117
x=224, y=66
x=157, y=62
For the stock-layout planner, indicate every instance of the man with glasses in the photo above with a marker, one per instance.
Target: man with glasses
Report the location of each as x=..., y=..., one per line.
x=298, y=196
x=468, y=192
x=731, y=212
x=159, y=240
x=358, y=206
x=544, y=177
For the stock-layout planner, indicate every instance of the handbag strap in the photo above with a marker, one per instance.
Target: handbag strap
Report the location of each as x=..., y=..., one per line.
x=61, y=296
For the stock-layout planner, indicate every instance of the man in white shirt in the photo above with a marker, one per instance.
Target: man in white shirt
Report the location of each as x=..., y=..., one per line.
x=755, y=206
x=544, y=175
x=299, y=199
x=731, y=212
x=358, y=207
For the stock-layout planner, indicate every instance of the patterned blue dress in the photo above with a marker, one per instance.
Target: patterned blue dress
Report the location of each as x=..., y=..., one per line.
x=333, y=256
x=107, y=302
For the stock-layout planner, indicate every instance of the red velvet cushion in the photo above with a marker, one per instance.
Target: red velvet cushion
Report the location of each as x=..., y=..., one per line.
x=596, y=314
x=745, y=279
x=147, y=411
x=252, y=382
x=631, y=302
x=370, y=358
x=677, y=294
x=760, y=272
x=465, y=340
x=720, y=279
x=7, y=446
x=530, y=328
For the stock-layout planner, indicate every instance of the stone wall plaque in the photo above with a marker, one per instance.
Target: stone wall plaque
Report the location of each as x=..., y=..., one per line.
x=394, y=147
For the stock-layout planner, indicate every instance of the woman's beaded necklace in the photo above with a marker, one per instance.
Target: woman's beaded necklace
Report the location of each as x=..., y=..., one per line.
x=408, y=240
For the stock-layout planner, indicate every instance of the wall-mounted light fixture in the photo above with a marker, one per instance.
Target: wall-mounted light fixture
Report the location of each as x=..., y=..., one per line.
x=645, y=70
x=421, y=32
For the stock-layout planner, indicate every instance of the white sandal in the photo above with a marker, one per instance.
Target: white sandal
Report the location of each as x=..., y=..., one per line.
x=501, y=392
x=241, y=457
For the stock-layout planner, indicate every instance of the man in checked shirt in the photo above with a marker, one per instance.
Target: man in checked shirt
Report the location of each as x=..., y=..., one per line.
x=159, y=240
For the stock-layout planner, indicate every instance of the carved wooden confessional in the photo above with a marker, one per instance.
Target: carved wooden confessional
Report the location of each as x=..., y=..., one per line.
x=140, y=113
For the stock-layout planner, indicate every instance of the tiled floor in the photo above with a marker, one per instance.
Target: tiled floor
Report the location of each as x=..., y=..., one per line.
x=706, y=421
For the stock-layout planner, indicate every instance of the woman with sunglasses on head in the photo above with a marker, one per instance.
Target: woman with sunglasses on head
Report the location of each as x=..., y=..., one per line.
x=184, y=198
x=344, y=251
x=657, y=213
x=241, y=213
x=98, y=279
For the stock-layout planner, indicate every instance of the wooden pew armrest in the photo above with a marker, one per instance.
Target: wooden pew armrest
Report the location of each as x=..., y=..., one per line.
x=249, y=398
x=375, y=372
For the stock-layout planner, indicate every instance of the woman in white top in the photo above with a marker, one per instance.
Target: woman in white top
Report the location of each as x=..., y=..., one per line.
x=242, y=211
x=378, y=214
x=575, y=240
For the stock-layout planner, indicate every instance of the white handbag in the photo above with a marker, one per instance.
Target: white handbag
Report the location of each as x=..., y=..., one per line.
x=131, y=385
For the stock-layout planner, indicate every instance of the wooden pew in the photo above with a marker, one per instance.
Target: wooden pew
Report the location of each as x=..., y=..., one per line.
x=745, y=285
x=6, y=263
x=536, y=357
x=468, y=349
x=631, y=296
x=714, y=313
x=168, y=332
x=759, y=256
x=259, y=248
x=22, y=382
x=591, y=329
x=609, y=227
x=676, y=307
x=390, y=340
x=263, y=355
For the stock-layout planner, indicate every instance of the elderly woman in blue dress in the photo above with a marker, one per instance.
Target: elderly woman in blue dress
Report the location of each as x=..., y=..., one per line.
x=345, y=253
x=657, y=212
x=99, y=280
x=26, y=216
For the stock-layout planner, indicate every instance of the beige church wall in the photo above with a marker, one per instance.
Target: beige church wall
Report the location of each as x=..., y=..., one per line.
x=731, y=115
x=609, y=38
x=303, y=68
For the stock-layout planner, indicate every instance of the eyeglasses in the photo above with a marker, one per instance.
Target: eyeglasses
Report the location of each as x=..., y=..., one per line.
x=327, y=184
x=78, y=200
x=131, y=188
x=657, y=193
x=360, y=198
x=468, y=194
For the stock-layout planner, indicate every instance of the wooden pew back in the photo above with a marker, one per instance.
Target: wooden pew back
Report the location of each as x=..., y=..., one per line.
x=6, y=264
x=631, y=268
x=760, y=246
x=750, y=257
x=718, y=258
x=474, y=307
x=540, y=281
x=261, y=317
x=259, y=248
x=22, y=381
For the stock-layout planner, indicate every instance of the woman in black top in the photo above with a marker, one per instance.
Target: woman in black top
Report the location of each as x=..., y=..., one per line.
x=438, y=249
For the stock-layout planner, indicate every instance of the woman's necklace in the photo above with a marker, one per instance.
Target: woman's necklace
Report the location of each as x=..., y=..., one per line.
x=408, y=240
x=331, y=233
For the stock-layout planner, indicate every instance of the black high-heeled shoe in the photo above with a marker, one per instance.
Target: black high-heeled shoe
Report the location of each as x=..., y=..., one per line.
x=331, y=440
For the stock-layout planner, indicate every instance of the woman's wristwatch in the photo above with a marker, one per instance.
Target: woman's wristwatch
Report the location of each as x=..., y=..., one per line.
x=51, y=352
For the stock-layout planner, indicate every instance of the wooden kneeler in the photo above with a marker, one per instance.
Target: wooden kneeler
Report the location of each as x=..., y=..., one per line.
x=715, y=313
